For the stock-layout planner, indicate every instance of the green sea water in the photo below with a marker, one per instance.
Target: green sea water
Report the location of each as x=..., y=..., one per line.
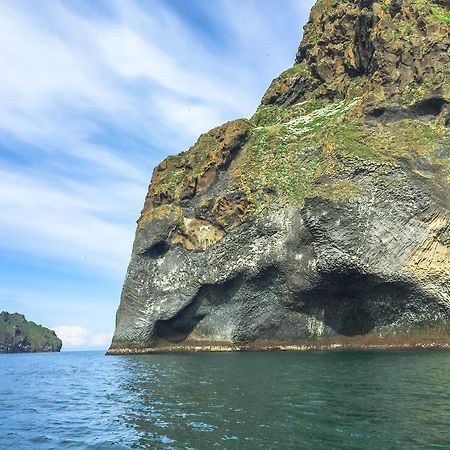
x=330, y=400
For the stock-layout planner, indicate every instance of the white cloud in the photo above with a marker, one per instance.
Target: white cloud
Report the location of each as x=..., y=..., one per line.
x=68, y=222
x=101, y=340
x=41, y=72
x=72, y=336
x=196, y=119
x=78, y=337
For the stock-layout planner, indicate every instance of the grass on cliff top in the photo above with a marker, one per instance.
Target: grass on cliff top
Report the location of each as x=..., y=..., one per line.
x=7, y=327
x=29, y=330
x=438, y=12
x=291, y=148
x=37, y=332
x=441, y=14
x=284, y=154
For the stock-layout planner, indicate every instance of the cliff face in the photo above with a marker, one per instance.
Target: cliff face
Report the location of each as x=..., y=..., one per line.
x=324, y=220
x=17, y=335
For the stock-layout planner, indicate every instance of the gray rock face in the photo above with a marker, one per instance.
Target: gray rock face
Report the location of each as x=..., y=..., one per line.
x=322, y=222
x=17, y=335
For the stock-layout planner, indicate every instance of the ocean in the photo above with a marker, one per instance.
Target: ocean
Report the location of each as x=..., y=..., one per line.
x=329, y=400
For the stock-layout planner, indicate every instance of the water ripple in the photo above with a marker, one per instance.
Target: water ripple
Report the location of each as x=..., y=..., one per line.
x=227, y=401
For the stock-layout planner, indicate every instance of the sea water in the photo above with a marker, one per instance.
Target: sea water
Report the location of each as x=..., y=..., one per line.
x=330, y=400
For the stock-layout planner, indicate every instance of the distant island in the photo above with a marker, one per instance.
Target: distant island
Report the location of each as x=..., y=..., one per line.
x=18, y=335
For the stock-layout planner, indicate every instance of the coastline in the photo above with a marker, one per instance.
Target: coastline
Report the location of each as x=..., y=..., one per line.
x=364, y=343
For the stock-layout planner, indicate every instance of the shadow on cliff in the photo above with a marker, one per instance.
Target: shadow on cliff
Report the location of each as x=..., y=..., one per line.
x=178, y=328
x=346, y=303
x=351, y=303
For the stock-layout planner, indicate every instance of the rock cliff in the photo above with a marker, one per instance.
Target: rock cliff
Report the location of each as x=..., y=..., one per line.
x=17, y=335
x=324, y=220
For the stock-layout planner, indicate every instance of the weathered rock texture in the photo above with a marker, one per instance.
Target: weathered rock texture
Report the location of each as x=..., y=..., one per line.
x=17, y=335
x=324, y=220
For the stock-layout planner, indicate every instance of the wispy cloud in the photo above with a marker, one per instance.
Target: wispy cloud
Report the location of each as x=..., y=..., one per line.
x=76, y=337
x=67, y=221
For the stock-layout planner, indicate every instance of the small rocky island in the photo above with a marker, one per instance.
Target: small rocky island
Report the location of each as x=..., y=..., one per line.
x=18, y=335
x=323, y=221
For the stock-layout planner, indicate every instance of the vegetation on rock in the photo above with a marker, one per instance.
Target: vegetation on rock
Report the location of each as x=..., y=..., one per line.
x=17, y=335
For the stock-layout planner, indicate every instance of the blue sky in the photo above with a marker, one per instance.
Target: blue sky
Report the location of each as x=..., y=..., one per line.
x=92, y=96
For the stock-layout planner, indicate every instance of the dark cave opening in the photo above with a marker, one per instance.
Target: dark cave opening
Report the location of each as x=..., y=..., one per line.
x=354, y=320
x=377, y=113
x=352, y=303
x=429, y=107
x=178, y=328
x=347, y=301
x=157, y=250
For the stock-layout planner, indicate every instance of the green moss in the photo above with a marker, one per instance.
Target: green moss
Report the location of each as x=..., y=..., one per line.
x=281, y=160
x=290, y=149
x=310, y=123
x=438, y=12
x=268, y=115
x=271, y=163
x=353, y=139
x=6, y=327
x=300, y=115
x=37, y=335
x=441, y=14
x=170, y=183
x=383, y=142
x=338, y=191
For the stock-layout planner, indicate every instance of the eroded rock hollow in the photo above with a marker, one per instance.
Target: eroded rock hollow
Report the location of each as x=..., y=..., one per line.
x=324, y=220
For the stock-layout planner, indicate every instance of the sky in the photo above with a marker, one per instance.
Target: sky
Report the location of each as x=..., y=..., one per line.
x=94, y=94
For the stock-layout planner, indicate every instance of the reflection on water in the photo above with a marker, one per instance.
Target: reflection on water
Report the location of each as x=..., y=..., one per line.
x=231, y=401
